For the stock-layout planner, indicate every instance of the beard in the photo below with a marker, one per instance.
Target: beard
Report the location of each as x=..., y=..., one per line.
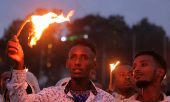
x=125, y=89
x=142, y=84
x=128, y=89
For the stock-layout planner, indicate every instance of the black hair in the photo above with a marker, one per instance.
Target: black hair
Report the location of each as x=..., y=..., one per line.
x=85, y=42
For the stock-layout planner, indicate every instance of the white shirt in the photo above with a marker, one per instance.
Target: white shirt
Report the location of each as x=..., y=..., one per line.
x=133, y=98
x=17, y=87
x=119, y=97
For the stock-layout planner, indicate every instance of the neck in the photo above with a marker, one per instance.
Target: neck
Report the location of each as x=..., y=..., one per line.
x=80, y=84
x=152, y=92
x=127, y=93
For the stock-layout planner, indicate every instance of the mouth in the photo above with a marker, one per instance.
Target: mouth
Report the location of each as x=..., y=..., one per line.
x=77, y=70
x=127, y=82
x=138, y=75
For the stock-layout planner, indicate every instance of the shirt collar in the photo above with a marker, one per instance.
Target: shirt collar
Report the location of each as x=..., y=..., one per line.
x=92, y=88
x=164, y=96
x=119, y=96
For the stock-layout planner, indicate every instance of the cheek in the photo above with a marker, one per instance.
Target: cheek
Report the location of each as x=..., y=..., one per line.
x=119, y=81
x=70, y=64
x=149, y=74
x=88, y=64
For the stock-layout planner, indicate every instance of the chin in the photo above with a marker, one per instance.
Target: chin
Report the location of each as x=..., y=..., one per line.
x=128, y=87
x=142, y=83
x=77, y=77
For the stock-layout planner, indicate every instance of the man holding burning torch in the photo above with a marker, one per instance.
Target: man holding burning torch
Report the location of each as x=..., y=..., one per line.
x=124, y=81
x=81, y=60
x=149, y=70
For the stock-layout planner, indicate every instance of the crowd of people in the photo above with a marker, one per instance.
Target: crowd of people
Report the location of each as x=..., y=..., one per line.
x=141, y=82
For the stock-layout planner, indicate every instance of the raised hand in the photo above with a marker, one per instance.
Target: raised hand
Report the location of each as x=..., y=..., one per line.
x=15, y=52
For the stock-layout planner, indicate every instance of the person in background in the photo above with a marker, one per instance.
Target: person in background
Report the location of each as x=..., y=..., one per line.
x=81, y=60
x=32, y=88
x=93, y=79
x=4, y=76
x=63, y=81
x=149, y=71
x=32, y=82
x=123, y=81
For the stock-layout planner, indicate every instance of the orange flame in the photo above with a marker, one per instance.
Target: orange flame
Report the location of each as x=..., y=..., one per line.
x=165, y=77
x=113, y=66
x=42, y=22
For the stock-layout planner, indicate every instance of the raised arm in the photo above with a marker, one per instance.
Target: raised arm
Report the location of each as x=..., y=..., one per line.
x=17, y=85
x=15, y=52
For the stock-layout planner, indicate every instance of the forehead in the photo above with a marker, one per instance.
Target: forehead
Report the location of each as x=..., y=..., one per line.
x=81, y=49
x=143, y=58
x=124, y=68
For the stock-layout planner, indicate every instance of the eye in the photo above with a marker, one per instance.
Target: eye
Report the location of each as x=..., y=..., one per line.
x=72, y=57
x=121, y=75
x=144, y=64
x=84, y=57
x=130, y=74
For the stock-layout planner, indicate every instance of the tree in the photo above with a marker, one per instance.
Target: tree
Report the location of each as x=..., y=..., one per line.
x=149, y=36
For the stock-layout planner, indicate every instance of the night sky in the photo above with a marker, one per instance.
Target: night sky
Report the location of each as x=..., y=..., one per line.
x=157, y=11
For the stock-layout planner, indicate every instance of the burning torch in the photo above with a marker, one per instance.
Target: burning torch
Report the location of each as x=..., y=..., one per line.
x=42, y=22
x=112, y=67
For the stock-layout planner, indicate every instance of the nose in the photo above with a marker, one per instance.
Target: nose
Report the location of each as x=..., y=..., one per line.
x=78, y=62
x=127, y=76
x=137, y=69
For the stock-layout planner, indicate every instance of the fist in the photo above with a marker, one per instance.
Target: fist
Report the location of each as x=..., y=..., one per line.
x=15, y=52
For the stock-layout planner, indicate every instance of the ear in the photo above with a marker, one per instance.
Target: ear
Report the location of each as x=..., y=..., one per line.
x=67, y=63
x=95, y=63
x=160, y=72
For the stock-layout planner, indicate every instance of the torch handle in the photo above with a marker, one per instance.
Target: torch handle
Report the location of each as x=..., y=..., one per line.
x=110, y=78
x=18, y=33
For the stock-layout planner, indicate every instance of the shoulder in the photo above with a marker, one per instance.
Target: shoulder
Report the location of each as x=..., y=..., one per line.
x=104, y=95
x=55, y=89
x=168, y=97
x=132, y=98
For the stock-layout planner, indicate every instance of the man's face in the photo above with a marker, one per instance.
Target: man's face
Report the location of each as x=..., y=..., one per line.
x=144, y=70
x=124, y=77
x=80, y=62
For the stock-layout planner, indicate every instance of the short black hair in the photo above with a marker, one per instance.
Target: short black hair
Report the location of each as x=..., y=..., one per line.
x=156, y=56
x=86, y=42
